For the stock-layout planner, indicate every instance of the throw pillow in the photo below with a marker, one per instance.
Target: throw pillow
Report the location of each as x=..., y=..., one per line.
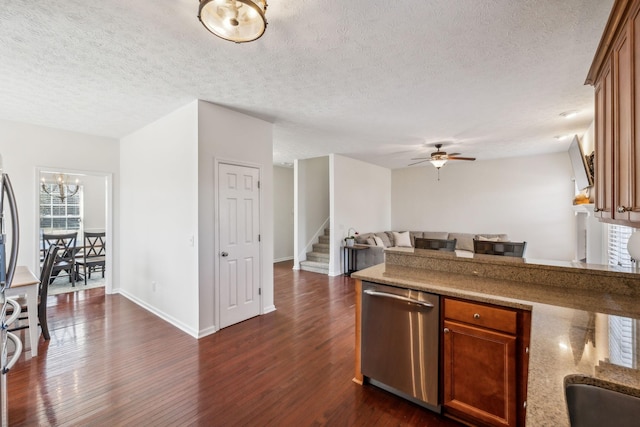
x=492, y=237
x=402, y=240
x=385, y=239
x=371, y=241
x=488, y=239
x=378, y=241
x=464, y=241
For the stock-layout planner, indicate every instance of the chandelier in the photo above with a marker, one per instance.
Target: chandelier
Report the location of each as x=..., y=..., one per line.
x=65, y=189
x=238, y=21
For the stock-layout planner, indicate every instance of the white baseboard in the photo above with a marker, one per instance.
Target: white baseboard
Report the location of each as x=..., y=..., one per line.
x=288, y=258
x=269, y=309
x=164, y=316
x=207, y=331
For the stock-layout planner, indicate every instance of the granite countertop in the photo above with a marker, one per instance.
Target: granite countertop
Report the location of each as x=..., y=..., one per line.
x=573, y=331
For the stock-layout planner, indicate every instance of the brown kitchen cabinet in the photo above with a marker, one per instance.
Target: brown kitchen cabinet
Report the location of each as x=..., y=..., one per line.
x=615, y=73
x=604, y=146
x=485, y=362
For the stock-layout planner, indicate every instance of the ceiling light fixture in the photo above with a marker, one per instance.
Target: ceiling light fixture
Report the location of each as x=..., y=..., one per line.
x=569, y=114
x=65, y=189
x=238, y=21
x=438, y=163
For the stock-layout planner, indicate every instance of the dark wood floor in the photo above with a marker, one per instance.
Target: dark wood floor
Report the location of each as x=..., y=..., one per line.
x=110, y=362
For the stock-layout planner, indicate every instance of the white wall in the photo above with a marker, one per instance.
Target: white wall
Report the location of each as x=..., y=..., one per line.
x=159, y=216
x=228, y=135
x=282, y=213
x=93, y=195
x=311, y=203
x=360, y=199
x=529, y=198
x=25, y=148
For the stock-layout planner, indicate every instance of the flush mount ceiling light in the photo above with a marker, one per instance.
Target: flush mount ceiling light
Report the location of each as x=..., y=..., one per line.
x=238, y=21
x=569, y=114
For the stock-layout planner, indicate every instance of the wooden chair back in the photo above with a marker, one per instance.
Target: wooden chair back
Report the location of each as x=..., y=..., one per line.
x=45, y=278
x=436, y=244
x=66, y=242
x=512, y=249
x=94, y=244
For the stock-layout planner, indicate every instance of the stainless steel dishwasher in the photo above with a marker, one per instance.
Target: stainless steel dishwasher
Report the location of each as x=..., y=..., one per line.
x=400, y=330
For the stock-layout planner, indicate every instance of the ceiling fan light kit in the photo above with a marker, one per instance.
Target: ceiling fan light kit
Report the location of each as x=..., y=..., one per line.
x=439, y=158
x=239, y=21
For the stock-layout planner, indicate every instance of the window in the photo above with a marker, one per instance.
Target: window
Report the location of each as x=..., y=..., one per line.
x=617, y=238
x=623, y=331
x=56, y=214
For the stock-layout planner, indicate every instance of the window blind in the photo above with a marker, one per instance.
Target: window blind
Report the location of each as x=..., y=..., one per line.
x=622, y=343
x=618, y=236
x=622, y=331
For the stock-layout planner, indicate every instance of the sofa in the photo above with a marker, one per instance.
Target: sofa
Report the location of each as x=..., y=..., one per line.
x=377, y=243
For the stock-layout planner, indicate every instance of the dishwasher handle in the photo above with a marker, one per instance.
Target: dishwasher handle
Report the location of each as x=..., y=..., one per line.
x=398, y=297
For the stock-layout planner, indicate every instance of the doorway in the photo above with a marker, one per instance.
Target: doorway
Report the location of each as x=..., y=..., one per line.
x=82, y=204
x=238, y=201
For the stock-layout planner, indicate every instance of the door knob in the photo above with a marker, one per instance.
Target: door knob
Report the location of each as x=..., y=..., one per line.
x=224, y=254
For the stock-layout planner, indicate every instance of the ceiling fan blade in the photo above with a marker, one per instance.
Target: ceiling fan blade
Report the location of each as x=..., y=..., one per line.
x=461, y=158
x=421, y=161
x=453, y=154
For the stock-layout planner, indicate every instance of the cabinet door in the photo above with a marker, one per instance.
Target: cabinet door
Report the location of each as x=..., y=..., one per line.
x=634, y=154
x=623, y=125
x=604, y=144
x=480, y=374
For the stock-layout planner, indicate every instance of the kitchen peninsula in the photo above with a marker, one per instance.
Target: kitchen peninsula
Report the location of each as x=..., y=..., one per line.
x=575, y=311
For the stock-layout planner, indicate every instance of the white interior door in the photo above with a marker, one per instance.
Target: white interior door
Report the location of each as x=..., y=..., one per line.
x=239, y=243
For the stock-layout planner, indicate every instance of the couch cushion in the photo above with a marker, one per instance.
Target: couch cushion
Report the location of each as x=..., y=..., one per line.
x=385, y=239
x=465, y=240
x=362, y=238
x=371, y=241
x=378, y=241
x=402, y=240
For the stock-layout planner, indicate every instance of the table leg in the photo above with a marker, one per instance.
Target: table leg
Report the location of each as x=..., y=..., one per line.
x=32, y=306
x=345, y=264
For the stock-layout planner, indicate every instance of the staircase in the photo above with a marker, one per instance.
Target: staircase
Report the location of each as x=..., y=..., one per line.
x=318, y=260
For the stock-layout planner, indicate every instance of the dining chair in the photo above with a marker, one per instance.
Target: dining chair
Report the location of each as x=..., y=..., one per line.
x=94, y=255
x=436, y=244
x=43, y=292
x=509, y=249
x=66, y=259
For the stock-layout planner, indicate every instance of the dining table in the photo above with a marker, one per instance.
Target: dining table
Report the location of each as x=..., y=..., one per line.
x=25, y=283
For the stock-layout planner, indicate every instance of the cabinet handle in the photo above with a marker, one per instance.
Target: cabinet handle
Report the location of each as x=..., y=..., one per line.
x=476, y=316
x=623, y=209
x=446, y=330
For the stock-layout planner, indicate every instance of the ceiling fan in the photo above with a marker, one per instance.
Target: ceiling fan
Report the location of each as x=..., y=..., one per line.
x=439, y=158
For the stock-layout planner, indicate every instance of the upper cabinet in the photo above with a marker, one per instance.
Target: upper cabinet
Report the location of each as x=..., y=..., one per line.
x=615, y=73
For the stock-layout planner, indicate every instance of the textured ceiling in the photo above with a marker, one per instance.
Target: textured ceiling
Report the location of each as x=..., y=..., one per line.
x=374, y=80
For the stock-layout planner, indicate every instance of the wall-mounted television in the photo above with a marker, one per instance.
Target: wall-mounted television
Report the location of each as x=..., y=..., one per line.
x=579, y=162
